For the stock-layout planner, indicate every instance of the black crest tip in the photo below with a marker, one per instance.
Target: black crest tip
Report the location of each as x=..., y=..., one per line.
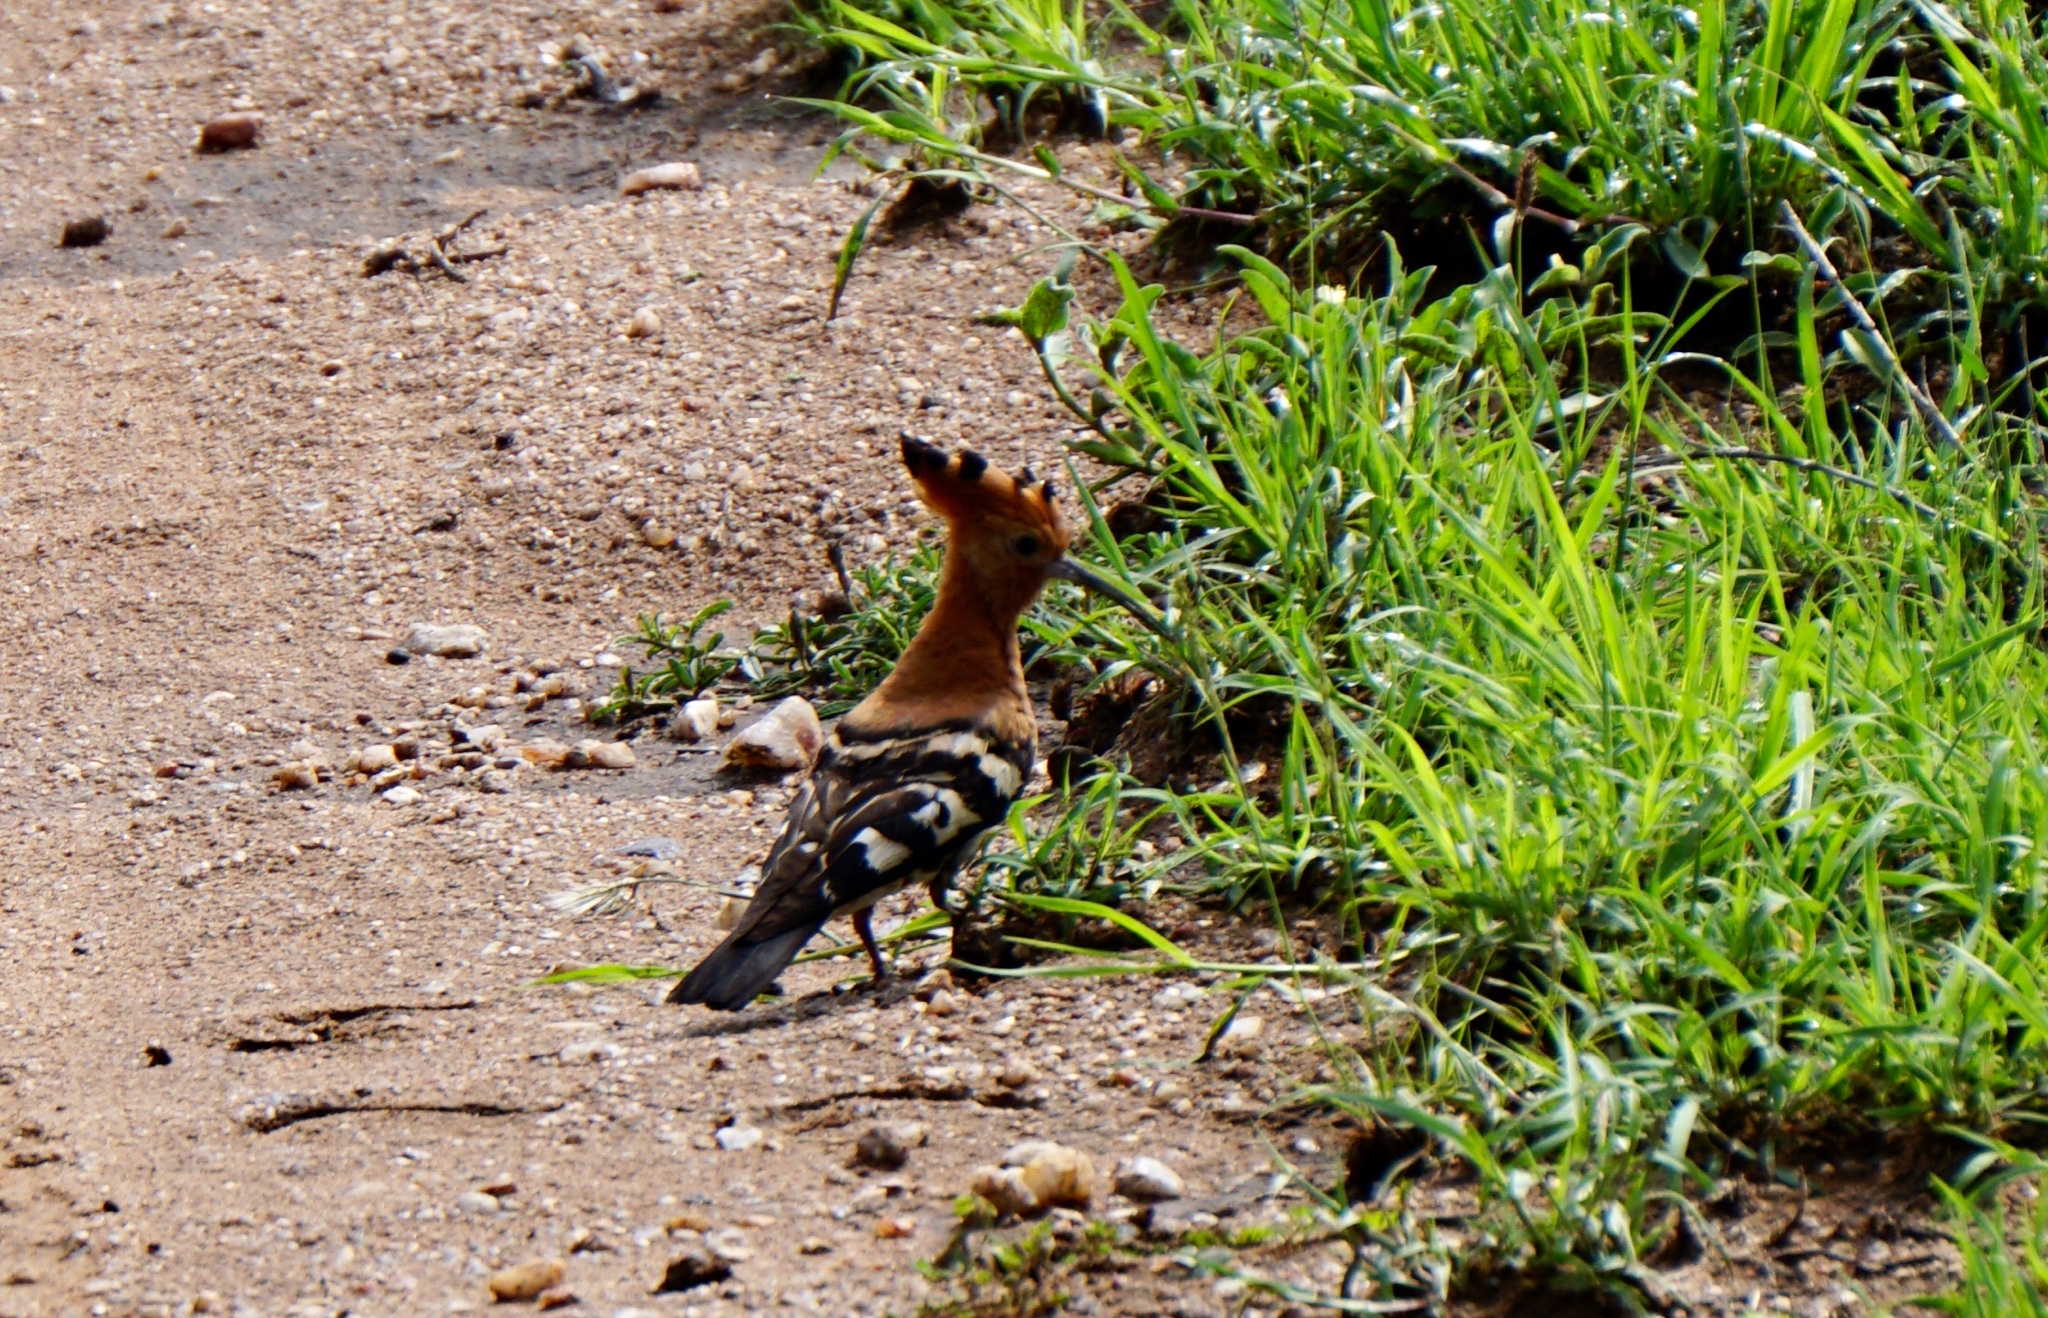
x=920, y=455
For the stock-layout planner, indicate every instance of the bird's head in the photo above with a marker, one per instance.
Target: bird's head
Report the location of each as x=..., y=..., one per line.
x=1007, y=534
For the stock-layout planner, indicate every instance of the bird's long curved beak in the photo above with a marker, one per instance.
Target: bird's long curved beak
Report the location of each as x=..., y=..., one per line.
x=1066, y=569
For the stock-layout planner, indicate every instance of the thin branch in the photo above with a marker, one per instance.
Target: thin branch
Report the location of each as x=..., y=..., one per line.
x=448, y=234
x=440, y=259
x=1937, y=422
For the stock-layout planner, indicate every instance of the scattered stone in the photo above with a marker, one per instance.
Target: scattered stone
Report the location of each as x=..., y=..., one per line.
x=1024, y=1151
x=476, y=1201
x=89, y=231
x=932, y=983
x=175, y=229
x=654, y=848
x=593, y=754
x=463, y=640
x=545, y=754
x=887, y=1144
x=295, y=777
x=734, y=1138
x=680, y=174
x=729, y=1245
x=942, y=1003
x=526, y=1281
x=696, y=720
x=656, y=536
x=695, y=1266
x=375, y=759
x=896, y=1228
x=588, y=1050
x=1240, y=1037
x=230, y=132
x=1059, y=1175
x=815, y=1245
x=1017, y=1072
x=1005, y=1189
x=402, y=795
x=1148, y=1180
x=789, y=738
x=486, y=738
x=556, y=1297
x=645, y=324
x=730, y=912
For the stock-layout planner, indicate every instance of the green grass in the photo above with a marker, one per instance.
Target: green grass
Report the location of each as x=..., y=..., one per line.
x=1640, y=655
x=1713, y=822
x=1309, y=127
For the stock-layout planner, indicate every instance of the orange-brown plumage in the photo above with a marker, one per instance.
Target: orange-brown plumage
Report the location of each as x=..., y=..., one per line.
x=1004, y=533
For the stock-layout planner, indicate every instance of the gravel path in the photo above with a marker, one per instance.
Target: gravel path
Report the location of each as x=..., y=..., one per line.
x=271, y=1052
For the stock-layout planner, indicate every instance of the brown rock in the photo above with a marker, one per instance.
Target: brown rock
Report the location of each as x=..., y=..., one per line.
x=295, y=777
x=591, y=753
x=888, y=1144
x=375, y=759
x=1060, y=1175
x=90, y=231
x=696, y=720
x=527, y=1280
x=559, y=1297
x=789, y=738
x=1005, y=1189
x=695, y=1266
x=457, y=641
x=547, y=754
x=681, y=174
x=230, y=132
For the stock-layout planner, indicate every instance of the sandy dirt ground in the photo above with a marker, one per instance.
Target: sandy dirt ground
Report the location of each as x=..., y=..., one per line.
x=274, y=1052
x=271, y=1052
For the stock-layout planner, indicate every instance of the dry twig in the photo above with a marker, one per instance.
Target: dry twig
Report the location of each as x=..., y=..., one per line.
x=439, y=253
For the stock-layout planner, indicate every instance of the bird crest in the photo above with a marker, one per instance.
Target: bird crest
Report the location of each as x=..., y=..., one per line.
x=966, y=490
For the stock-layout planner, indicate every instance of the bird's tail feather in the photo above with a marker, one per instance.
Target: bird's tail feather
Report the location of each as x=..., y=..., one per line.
x=737, y=970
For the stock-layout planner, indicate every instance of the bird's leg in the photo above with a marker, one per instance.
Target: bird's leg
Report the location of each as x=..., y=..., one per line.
x=864, y=925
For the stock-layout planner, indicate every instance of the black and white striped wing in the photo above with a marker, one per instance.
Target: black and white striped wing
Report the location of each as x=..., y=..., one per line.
x=878, y=815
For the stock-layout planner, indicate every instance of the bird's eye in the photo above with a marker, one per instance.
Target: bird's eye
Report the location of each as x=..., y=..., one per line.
x=1027, y=545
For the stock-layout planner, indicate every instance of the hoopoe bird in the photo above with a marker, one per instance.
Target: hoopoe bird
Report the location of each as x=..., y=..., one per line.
x=933, y=757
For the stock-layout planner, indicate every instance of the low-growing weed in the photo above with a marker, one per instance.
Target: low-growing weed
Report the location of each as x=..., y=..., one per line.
x=1027, y=1275
x=839, y=659
x=683, y=665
